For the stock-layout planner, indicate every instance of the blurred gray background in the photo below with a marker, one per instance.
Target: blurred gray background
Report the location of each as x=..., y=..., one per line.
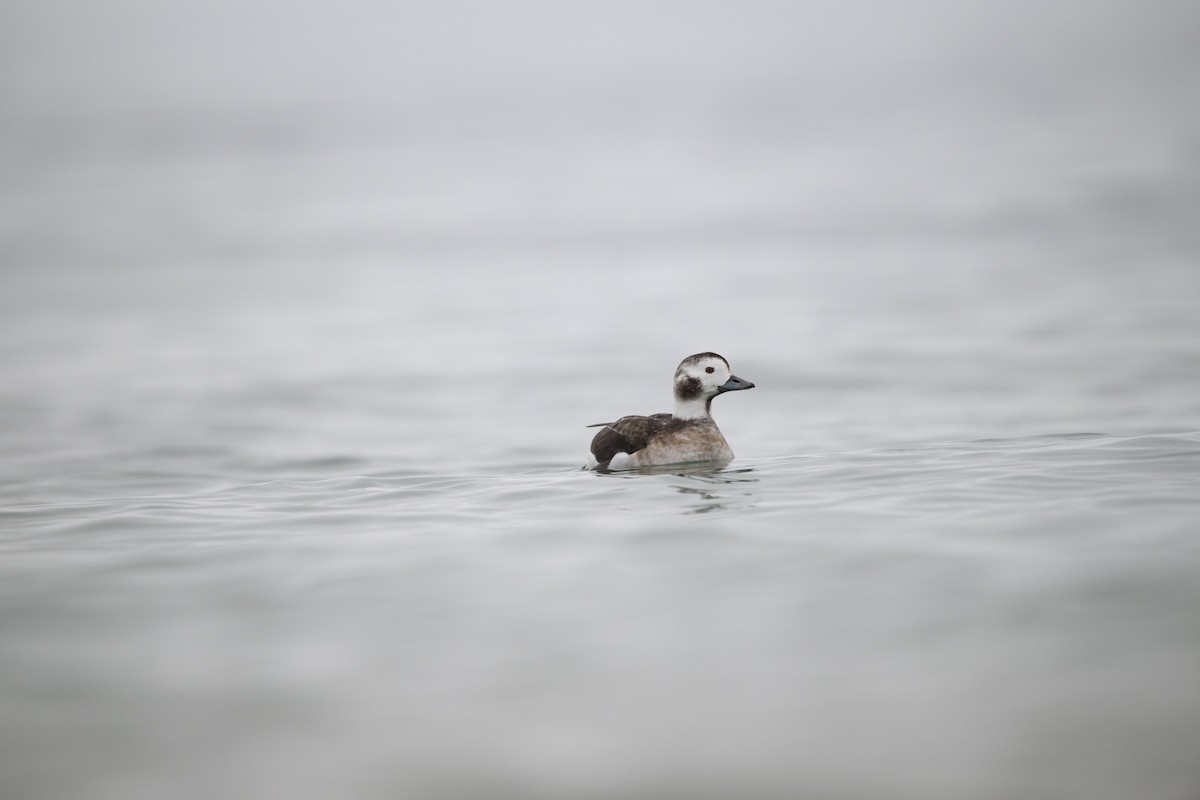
x=380, y=127
x=198, y=197
x=304, y=306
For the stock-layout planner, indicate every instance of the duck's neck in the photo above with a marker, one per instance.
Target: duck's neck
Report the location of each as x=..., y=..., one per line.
x=694, y=408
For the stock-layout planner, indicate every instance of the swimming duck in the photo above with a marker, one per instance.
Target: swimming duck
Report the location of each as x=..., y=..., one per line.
x=688, y=435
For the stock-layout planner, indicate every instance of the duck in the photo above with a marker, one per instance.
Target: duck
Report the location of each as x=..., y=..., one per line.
x=689, y=435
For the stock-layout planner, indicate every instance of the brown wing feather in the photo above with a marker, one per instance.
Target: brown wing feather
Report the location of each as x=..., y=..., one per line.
x=627, y=435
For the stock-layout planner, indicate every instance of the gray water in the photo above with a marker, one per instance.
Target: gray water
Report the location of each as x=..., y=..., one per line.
x=303, y=311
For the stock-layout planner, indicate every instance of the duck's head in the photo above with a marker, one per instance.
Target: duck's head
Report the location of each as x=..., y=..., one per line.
x=699, y=379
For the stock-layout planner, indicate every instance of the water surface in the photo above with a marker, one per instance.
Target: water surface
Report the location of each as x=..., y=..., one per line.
x=297, y=355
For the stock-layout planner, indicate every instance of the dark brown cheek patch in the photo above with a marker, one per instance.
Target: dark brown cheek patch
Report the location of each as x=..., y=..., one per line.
x=688, y=388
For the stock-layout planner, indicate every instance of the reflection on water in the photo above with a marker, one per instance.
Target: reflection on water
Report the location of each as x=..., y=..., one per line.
x=723, y=490
x=712, y=502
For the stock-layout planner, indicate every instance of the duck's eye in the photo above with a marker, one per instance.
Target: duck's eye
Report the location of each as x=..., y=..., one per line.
x=710, y=369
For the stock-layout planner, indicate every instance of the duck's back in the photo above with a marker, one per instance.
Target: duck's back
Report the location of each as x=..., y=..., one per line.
x=627, y=435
